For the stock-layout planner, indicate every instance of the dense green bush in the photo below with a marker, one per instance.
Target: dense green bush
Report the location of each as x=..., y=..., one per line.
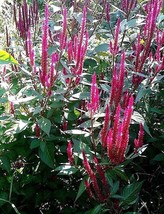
x=81, y=107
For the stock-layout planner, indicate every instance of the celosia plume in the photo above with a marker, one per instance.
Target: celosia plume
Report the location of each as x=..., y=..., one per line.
x=107, y=10
x=101, y=173
x=118, y=136
x=117, y=83
x=93, y=106
x=25, y=17
x=128, y=5
x=104, y=130
x=63, y=34
x=44, y=59
x=77, y=47
x=37, y=130
x=70, y=153
x=139, y=142
x=88, y=188
x=30, y=49
x=113, y=47
x=92, y=176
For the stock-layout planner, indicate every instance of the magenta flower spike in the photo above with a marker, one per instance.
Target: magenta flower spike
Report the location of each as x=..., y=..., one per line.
x=125, y=101
x=70, y=153
x=107, y=11
x=120, y=83
x=92, y=177
x=88, y=188
x=52, y=75
x=128, y=5
x=63, y=35
x=114, y=47
x=113, y=86
x=117, y=83
x=127, y=114
x=154, y=8
x=93, y=106
x=118, y=136
x=104, y=130
x=116, y=122
x=101, y=174
x=37, y=130
x=110, y=145
x=139, y=142
x=31, y=52
x=44, y=60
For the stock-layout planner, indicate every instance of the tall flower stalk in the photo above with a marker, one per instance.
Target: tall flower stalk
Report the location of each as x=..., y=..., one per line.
x=44, y=59
x=118, y=135
x=77, y=48
x=93, y=105
x=117, y=83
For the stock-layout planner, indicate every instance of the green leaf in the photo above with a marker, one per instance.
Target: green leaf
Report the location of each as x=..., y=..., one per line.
x=120, y=173
x=102, y=48
x=139, y=118
x=115, y=187
x=130, y=193
x=45, y=125
x=97, y=209
x=66, y=170
x=46, y=156
x=159, y=157
x=5, y=163
x=42, y=146
x=82, y=95
x=81, y=189
x=34, y=144
x=6, y=58
x=141, y=93
x=90, y=63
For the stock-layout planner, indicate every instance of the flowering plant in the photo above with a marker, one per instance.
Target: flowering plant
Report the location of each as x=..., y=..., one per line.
x=78, y=84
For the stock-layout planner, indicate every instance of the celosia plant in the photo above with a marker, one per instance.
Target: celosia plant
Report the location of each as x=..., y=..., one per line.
x=88, y=75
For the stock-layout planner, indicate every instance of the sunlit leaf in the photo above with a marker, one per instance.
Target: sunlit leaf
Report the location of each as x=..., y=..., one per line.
x=6, y=58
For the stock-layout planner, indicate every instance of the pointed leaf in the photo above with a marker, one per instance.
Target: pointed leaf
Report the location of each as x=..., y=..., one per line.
x=6, y=58
x=81, y=189
x=45, y=125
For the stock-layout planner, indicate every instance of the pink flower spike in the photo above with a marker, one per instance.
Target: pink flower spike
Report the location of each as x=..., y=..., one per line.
x=30, y=49
x=83, y=23
x=139, y=142
x=88, y=188
x=44, y=60
x=37, y=130
x=93, y=106
x=70, y=153
x=104, y=131
x=107, y=10
x=63, y=35
x=101, y=174
x=120, y=82
x=117, y=30
x=116, y=123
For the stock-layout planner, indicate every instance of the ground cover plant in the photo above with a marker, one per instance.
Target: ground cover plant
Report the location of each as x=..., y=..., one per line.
x=81, y=107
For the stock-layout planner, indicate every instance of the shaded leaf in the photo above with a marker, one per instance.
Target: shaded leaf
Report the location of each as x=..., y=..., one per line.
x=81, y=189
x=45, y=125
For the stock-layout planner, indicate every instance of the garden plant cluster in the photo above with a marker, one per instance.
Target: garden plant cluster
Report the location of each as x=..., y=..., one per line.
x=81, y=107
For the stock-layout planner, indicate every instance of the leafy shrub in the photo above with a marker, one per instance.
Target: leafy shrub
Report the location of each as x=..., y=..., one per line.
x=81, y=108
